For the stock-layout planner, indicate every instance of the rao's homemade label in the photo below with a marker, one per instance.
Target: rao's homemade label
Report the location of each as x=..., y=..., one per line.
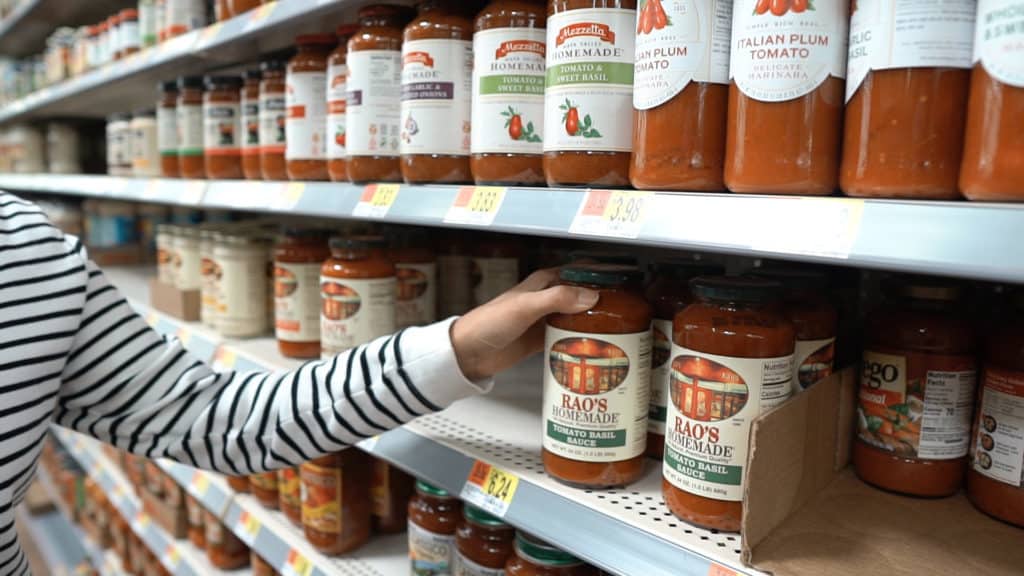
x=337, y=92
x=430, y=554
x=373, y=103
x=812, y=362
x=354, y=312
x=785, y=50
x=916, y=405
x=661, y=353
x=272, y=119
x=416, y=300
x=466, y=567
x=713, y=400
x=222, y=128
x=321, y=498
x=886, y=34
x=297, y=302
x=589, y=80
x=678, y=42
x=437, y=79
x=508, y=91
x=596, y=394
x=999, y=40
x=190, y=129
x=306, y=124
x=999, y=453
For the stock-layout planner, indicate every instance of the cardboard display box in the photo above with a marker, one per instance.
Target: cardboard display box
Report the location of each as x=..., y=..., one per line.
x=182, y=304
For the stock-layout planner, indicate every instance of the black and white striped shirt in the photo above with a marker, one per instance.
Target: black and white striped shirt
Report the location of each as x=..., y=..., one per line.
x=73, y=351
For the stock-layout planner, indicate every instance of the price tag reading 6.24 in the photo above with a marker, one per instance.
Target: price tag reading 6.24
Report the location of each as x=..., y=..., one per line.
x=490, y=488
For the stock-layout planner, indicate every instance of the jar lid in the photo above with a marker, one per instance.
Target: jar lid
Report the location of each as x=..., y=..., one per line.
x=167, y=86
x=129, y=14
x=478, y=516
x=274, y=65
x=305, y=234
x=431, y=490
x=602, y=257
x=600, y=274
x=357, y=242
x=346, y=30
x=253, y=74
x=540, y=552
x=316, y=40
x=735, y=288
x=799, y=279
x=190, y=82
x=119, y=117
x=684, y=269
x=230, y=82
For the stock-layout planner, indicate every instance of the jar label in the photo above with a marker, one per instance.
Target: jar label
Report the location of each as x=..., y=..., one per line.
x=999, y=453
x=373, y=103
x=214, y=532
x=128, y=35
x=190, y=129
x=222, y=128
x=251, y=126
x=355, y=311
x=454, y=277
x=589, y=80
x=661, y=352
x=887, y=34
x=167, y=131
x=812, y=362
x=492, y=277
x=430, y=553
x=416, y=302
x=321, y=501
x=916, y=405
x=289, y=490
x=466, y=567
x=145, y=161
x=195, y=512
x=437, y=78
x=306, y=121
x=266, y=481
x=184, y=15
x=713, y=400
x=337, y=89
x=678, y=42
x=272, y=120
x=999, y=40
x=380, y=490
x=297, y=302
x=209, y=287
x=784, y=50
x=187, y=266
x=508, y=91
x=242, y=298
x=596, y=394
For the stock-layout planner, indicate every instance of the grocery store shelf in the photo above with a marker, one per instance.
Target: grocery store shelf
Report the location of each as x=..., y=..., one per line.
x=55, y=539
x=26, y=28
x=961, y=239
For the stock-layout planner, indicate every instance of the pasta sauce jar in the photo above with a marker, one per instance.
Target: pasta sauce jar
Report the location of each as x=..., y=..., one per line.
x=433, y=517
x=239, y=483
x=190, y=127
x=588, y=133
x=680, y=94
x=223, y=548
x=916, y=392
x=337, y=97
x=483, y=543
x=306, y=104
x=336, y=501
x=597, y=381
x=786, y=97
x=732, y=360
x=390, y=491
x=993, y=147
x=906, y=97
x=437, y=65
x=242, y=298
x=194, y=517
x=265, y=488
x=289, y=494
x=416, y=271
x=167, y=129
x=507, y=141
x=250, y=135
x=299, y=255
x=357, y=288
x=494, y=268
x=272, y=120
x=222, y=127
x=534, y=557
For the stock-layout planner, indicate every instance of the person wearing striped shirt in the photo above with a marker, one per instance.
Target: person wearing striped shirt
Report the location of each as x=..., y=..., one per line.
x=73, y=352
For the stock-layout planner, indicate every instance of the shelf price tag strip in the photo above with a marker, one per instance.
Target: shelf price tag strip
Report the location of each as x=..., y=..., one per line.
x=612, y=213
x=248, y=528
x=296, y=565
x=813, y=226
x=376, y=200
x=490, y=488
x=476, y=205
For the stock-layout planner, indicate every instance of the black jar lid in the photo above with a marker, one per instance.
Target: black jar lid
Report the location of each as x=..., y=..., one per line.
x=228, y=82
x=365, y=242
x=735, y=289
x=601, y=274
x=683, y=269
x=190, y=82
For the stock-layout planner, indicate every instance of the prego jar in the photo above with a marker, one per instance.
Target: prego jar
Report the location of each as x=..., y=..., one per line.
x=306, y=103
x=182, y=16
x=129, y=39
x=273, y=114
x=336, y=501
x=416, y=272
x=289, y=494
x=390, y=490
x=433, y=517
x=337, y=98
x=483, y=543
x=358, y=294
x=298, y=257
x=534, y=557
x=243, y=286
x=167, y=129
x=250, y=134
x=222, y=127
x=190, y=127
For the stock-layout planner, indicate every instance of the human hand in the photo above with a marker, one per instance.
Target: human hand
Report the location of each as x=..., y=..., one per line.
x=500, y=333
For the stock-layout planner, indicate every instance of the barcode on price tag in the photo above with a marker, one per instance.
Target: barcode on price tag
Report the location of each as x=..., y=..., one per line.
x=490, y=488
x=296, y=565
x=376, y=200
x=248, y=528
x=612, y=213
x=476, y=205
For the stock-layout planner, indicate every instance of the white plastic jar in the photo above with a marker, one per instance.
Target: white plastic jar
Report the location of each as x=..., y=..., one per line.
x=165, y=234
x=186, y=258
x=119, y=145
x=145, y=152
x=242, y=295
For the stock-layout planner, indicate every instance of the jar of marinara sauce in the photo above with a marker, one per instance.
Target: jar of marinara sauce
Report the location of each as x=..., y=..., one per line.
x=373, y=114
x=336, y=501
x=534, y=557
x=223, y=548
x=906, y=83
x=306, y=103
x=991, y=167
x=437, y=50
x=260, y=567
x=222, y=127
x=221, y=10
x=588, y=128
x=916, y=392
x=784, y=129
x=433, y=517
x=190, y=127
x=167, y=129
x=483, y=543
x=239, y=483
x=250, y=136
x=391, y=490
x=337, y=99
x=668, y=293
x=680, y=94
x=507, y=143
x=298, y=257
x=732, y=360
x=239, y=7
x=416, y=270
x=264, y=487
x=995, y=481
x=597, y=381
x=357, y=278
x=272, y=119
x=289, y=494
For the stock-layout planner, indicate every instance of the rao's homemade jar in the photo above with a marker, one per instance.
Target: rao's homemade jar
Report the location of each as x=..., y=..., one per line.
x=358, y=294
x=298, y=257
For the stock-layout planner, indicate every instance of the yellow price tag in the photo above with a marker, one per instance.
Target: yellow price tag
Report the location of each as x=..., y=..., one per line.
x=719, y=570
x=152, y=318
x=172, y=556
x=384, y=194
x=490, y=488
x=288, y=196
x=142, y=520
x=224, y=359
x=376, y=200
x=297, y=564
x=184, y=334
x=249, y=524
x=262, y=13
x=476, y=205
x=626, y=206
x=615, y=213
x=200, y=483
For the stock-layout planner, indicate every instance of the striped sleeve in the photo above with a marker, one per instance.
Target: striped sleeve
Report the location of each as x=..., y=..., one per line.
x=127, y=385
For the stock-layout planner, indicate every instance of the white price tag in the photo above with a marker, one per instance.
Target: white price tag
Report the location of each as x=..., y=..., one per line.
x=376, y=200
x=814, y=226
x=476, y=205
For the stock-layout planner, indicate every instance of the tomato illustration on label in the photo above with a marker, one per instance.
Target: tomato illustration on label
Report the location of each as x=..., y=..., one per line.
x=651, y=17
x=339, y=137
x=573, y=126
x=516, y=130
x=781, y=7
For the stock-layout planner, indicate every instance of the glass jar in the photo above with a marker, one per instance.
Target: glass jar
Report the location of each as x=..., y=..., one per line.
x=993, y=146
x=147, y=23
x=916, y=392
x=239, y=483
x=455, y=275
x=183, y=16
x=732, y=360
x=374, y=73
x=186, y=262
x=239, y=7
x=907, y=84
x=336, y=501
x=129, y=38
x=167, y=129
x=534, y=557
x=306, y=101
x=243, y=295
x=416, y=272
x=209, y=276
x=433, y=517
x=508, y=93
x=222, y=127
x=597, y=381
x=783, y=134
x=119, y=144
x=289, y=494
x=265, y=488
x=680, y=96
x=260, y=567
x=668, y=294
x=145, y=157
x=483, y=543
x=298, y=257
x=251, y=125
x=165, y=253
x=272, y=119
x=190, y=127
x=194, y=516
x=390, y=490
x=337, y=97
x=494, y=268
x=357, y=278
x=437, y=51
x=114, y=37
x=221, y=10
x=588, y=129
x=223, y=549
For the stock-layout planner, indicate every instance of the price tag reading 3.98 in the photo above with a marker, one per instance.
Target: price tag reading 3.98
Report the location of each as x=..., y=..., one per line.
x=612, y=213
